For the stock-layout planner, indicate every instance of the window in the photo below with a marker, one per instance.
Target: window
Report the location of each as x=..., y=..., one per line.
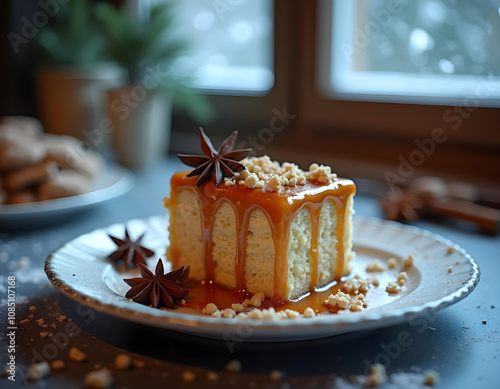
x=427, y=51
x=231, y=45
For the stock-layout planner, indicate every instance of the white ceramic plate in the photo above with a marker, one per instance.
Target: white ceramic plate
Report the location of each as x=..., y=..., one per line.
x=112, y=182
x=79, y=269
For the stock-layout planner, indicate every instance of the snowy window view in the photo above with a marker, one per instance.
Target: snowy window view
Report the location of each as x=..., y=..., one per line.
x=231, y=45
x=425, y=51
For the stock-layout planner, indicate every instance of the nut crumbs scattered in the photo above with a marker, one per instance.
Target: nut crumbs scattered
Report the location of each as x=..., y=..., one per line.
x=393, y=288
x=339, y=299
x=375, y=266
x=402, y=278
x=408, y=262
x=391, y=263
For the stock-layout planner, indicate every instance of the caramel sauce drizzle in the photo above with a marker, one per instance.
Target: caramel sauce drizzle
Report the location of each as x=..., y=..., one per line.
x=280, y=209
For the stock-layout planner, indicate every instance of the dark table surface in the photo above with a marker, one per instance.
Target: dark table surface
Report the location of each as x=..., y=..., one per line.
x=456, y=344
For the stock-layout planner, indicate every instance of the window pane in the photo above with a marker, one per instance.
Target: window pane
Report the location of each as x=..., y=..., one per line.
x=426, y=51
x=231, y=44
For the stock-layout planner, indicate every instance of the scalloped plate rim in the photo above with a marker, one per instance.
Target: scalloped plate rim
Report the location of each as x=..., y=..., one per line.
x=297, y=329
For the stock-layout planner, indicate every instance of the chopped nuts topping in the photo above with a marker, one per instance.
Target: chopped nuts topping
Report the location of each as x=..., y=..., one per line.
x=262, y=172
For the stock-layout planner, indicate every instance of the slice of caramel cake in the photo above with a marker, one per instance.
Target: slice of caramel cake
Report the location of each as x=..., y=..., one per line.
x=271, y=228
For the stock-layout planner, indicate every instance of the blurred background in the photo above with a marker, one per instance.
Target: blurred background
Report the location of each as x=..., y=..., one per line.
x=373, y=88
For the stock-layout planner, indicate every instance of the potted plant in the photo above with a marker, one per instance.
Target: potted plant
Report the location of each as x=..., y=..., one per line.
x=73, y=75
x=140, y=111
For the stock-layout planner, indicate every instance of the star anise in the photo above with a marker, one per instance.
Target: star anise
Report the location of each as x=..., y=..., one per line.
x=215, y=163
x=401, y=205
x=157, y=289
x=130, y=251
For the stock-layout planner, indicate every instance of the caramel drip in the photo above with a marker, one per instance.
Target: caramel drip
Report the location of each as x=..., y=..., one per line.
x=242, y=220
x=340, y=206
x=279, y=228
x=280, y=209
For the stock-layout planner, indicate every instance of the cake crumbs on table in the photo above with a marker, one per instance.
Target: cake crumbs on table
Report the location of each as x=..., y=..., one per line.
x=38, y=371
x=41, y=323
x=377, y=375
x=484, y=321
x=212, y=376
x=58, y=365
x=450, y=269
x=188, y=376
x=138, y=363
x=450, y=250
x=431, y=377
x=276, y=375
x=123, y=361
x=233, y=366
x=76, y=355
x=99, y=379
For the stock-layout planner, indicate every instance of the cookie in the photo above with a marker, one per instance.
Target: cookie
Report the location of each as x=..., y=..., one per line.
x=27, y=125
x=70, y=153
x=29, y=176
x=63, y=183
x=18, y=151
x=21, y=197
